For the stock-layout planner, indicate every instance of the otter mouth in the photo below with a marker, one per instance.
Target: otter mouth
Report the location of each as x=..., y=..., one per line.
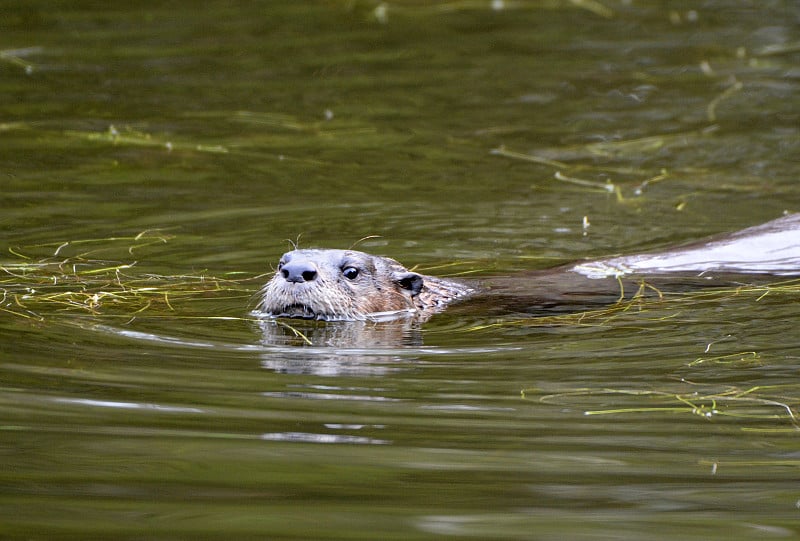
x=297, y=311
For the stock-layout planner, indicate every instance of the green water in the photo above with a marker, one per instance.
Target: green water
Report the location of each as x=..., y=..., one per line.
x=220, y=130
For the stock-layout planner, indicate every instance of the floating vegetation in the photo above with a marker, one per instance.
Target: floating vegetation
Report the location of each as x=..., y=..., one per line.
x=272, y=134
x=606, y=149
x=574, y=169
x=653, y=306
x=82, y=283
x=132, y=137
x=629, y=148
x=748, y=357
x=570, y=173
x=295, y=331
x=711, y=109
x=755, y=403
x=779, y=49
x=17, y=57
x=594, y=7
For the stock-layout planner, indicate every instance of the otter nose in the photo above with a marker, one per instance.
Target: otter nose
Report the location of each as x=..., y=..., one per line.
x=299, y=271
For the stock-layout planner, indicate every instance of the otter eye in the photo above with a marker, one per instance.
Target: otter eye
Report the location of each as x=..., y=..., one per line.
x=351, y=273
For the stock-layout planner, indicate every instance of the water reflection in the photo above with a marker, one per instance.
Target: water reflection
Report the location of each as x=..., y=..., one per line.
x=337, y=348
x=309, y=347
x=127, y=405
x=348, y=334
x=331, y=395
x=304, y=437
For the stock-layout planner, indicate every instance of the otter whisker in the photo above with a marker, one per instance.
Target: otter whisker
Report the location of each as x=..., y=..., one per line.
x=362, y=239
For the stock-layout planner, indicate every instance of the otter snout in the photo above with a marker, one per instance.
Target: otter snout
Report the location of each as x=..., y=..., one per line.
x=297, y=269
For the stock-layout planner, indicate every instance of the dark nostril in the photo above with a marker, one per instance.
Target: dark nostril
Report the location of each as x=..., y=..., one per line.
x=309, y=275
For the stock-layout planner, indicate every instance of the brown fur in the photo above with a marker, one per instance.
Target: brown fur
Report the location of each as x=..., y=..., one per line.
x=381, y=285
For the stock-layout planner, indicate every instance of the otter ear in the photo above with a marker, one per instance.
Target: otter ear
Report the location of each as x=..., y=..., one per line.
x=410, y=281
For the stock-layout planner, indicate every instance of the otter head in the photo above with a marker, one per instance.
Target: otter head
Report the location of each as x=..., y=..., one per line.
x=338, y=285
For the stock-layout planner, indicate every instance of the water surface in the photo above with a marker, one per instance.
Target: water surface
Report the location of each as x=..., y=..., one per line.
x=157, y=161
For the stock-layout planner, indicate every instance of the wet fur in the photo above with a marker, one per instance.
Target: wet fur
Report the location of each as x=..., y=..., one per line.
x=382, y=285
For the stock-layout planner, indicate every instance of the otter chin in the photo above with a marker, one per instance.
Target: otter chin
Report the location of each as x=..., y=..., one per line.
x=335, y=285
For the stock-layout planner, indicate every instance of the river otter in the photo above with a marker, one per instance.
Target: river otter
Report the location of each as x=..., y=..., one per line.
x=352, y=285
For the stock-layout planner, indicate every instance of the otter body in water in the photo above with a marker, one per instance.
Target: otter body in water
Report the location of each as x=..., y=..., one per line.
x=352, y=285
